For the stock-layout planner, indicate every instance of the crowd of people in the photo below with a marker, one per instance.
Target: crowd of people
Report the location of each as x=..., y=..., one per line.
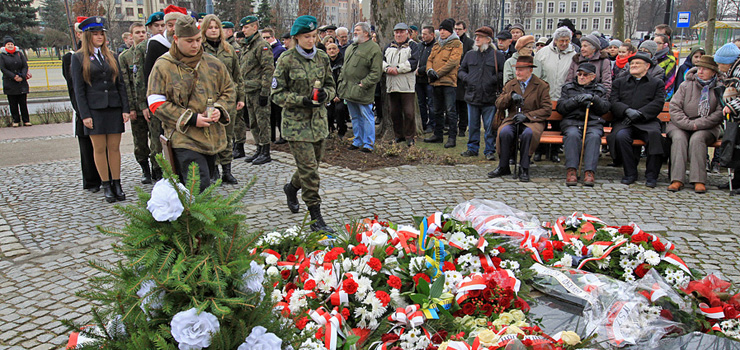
x=198, y=83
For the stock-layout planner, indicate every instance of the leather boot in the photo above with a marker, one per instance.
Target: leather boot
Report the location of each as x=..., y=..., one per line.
x=319, y=224
x=146, y=173
x=264, y=156
x=450, y=142
x=571, y=179
x=524, y=175
x=117, y=190
x=255, y=155
x=157, y=174
x=589, y=179
x=238, y=151
x=291, y=193
x=108, y=192
x=227, y=178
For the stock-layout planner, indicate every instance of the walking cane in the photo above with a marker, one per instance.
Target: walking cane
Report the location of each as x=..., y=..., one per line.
x=583, y=139
x=516, y=144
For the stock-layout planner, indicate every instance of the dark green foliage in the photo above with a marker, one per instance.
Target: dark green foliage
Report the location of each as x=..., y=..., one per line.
x=264, y=13
x=16, y=16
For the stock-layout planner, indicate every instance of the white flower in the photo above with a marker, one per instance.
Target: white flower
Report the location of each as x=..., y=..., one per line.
x=418, y=264
x=164, y=203
x=597, y=250
x=628, y=277
x=150, y=302
x=276, y=296
x=259, y=339
x=272, y=271
x=193, y=331
x=566, y=261
x=604, y=263
x=652, y=257
x=364, y=286
x=253, y=279
x=271, y=259
x=298, y=300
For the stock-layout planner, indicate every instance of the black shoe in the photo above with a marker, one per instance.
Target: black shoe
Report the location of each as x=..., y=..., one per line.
x=216, y=174
x=146, y=173
x=96, y=189
x=227, y=177
x=353, y=147
x=319, y=224
x=110, y=197
x=725, y=186
x=157, y=174
x=281, y=140
x=117, y=190
x=429, y=130
x=366, y=150
x=615, y=164
x=410, y=143
x=500, y=171
x=451, y=143
x=264, y=156
x=491, y=156
x=399, y=140
x=469, y=153
x=461, y=133
x=292, y=194
x=651, y=183
x=524, y=175
x=255, y=155
x=434, y=139
x=628, y=180
x=554, y=158
x=537, y=157
x=238, y=151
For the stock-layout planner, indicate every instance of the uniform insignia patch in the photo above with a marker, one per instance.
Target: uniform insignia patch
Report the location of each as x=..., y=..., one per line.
x=265, y=48
x=274, y=83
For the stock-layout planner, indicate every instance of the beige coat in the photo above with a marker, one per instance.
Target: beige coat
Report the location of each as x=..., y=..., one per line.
x=684, y=108
x=554, y=64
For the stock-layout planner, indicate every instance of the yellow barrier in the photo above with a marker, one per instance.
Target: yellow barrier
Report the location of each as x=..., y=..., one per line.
x=52, y=78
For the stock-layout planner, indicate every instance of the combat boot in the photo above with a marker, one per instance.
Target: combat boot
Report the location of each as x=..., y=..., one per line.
x=227, y=178
x=146, y=173
x=108, y=192
x=255, y=155
x=117, y=190
x=157, y=174
x=215, y=175
x=238, y=151
x=264, y=156
x=292, y=193
x=319, y=224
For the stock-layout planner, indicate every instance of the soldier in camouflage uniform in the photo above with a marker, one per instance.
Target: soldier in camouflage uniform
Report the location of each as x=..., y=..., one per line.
x=240, y=126
x=257, y=66
x=214, y=44
x=155, y=25
x=130, y=65
x=304, y=123
x=180, y=84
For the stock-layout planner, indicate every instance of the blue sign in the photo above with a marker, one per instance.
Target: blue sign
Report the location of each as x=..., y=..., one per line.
x=684, y=18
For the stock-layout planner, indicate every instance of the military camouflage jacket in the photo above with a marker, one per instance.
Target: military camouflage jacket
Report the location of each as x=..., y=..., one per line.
x=293, y=80
x=177, y=93
x=141, y=83
x=257, y=66
x=128, y=71
x=226, y=54
x=235, y=44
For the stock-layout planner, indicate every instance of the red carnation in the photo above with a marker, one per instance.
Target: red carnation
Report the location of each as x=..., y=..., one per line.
x=309, y=285
x=658, y=246
x=292, y=258
x=558, y=245
x=320, y=333
x=383, y=297
x=641, y=270
x=501, y=250
x=390, y=250
x=449, y=266
x=421, y=275
x=345, y=313
x=394, y=282
x=730, y=311
x=301, y=323
x=350, y=286
x=375, y=264
x=285, y=274
x=360, y=249
x=389, y=337
x=584, y=250
x=468, y=309
x=626, y=230
x=547, y=255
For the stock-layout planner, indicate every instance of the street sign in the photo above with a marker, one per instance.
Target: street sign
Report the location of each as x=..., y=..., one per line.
x=684, y=18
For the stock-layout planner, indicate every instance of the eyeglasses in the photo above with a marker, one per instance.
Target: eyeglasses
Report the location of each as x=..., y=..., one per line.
x=584, y=74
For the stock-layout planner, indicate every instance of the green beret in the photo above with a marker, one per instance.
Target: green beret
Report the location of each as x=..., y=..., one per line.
x=201, y=15
x=249, y=19
x=227, y=25
x=304, y=24
x=155, y=17
x=414, y=28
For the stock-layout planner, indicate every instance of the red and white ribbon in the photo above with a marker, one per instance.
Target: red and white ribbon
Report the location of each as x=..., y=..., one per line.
x=716, y=313
x=410, y=316
x=673, y=259
x=332, y=321
x=472, y=282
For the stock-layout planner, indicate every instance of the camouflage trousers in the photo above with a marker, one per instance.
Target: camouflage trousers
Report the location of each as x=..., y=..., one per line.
x=227, y=155
x=259, y=120
x=240, y=126
x=140, y=133
x=307, y=158
x=155, y=129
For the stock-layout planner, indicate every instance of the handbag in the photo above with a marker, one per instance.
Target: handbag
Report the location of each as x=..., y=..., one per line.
x=729, y=151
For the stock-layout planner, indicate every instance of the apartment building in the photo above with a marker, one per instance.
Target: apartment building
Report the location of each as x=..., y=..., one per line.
x=586, y=15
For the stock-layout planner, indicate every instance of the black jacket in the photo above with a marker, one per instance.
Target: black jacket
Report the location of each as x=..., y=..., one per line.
x=646, y=95
x=425, y=49
x=336, y=66
x=12, y=65
x=467, y=45
x=154, y=49
x=483, y=74
x=574, y=113
x=103, y=92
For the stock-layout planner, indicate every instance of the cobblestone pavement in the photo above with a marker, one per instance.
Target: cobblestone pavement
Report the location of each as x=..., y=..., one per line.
x=48, y=224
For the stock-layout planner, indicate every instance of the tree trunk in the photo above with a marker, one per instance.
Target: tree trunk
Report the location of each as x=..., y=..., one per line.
x=712, y=20
x=619, y=20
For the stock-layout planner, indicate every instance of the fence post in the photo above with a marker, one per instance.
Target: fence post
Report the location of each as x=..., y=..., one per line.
x=46, y=72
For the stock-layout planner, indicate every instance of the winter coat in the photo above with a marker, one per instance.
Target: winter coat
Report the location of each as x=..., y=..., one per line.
x=554, y=64
x=537, y=107
x=482, y=73
x=646, y=95
x=603, y=69
x=445, y=60
x=684, y=108
x=227, y=55
x=468, y=44
x=256, y=65
x=574, y=112
x=403, y=57
x=510, y=71
x=681, y=74
x=655, y=71
x=12, y=65
x=363, y=64
x=425, y=49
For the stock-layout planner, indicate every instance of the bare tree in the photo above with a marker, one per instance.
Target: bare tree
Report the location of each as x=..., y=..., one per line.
x=88, y=8
x=443, y=9
x=419, y=12
x=631, y=11
x=521, y=10
x=484, y=12
x=314, y=8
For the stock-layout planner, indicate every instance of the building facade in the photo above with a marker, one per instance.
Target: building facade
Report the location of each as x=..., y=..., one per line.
x=586, y=15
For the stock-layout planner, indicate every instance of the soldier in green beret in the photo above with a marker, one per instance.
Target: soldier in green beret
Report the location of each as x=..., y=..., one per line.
x=299, y=71
x=200, y=16
x=257, y=66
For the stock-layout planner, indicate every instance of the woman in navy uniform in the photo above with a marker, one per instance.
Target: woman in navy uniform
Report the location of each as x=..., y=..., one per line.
x=102, y=102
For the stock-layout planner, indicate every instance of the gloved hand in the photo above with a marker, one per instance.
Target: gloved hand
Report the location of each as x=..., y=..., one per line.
x=584, y=99
x=263, y=101
x=432, y=75
x=631, y=116
x=307, y=102
x=516, y=98
x=322, y=95
x=520, y=118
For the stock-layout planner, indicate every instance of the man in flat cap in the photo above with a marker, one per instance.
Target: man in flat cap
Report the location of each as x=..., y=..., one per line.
x=196, y=137
x=401, y=60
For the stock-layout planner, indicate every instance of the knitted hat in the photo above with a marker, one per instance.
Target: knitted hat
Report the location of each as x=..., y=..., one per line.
x=517, y=26
x=448, y=25
x=523, y=41
x=562, y=32
x=304, y=24
x=8, y=39
x=186, y=27
x=487, y=31
x=727, y=54
x=707, y=61
x=615, y=42
x=593, y=40
x=651, y=46
x=694, y=50
x=174, y=12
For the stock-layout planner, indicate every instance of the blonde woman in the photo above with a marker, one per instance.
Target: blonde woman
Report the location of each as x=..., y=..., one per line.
x=102, y=102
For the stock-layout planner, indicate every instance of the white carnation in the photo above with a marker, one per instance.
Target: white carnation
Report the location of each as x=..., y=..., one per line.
x=259, y=339
x=164, y=204
x=193, y=331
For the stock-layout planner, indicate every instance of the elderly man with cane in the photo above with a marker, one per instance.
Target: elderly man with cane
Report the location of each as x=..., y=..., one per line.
x=527, y=99
x=582, y=103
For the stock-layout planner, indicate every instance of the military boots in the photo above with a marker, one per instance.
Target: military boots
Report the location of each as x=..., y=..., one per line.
x=291, y=193
x=319, y=224
x=146, y=173
x=255, y=155
x=264, y=156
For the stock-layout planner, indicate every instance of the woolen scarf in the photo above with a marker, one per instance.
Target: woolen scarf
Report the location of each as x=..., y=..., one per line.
x=190, y=61
x=10, y=51
x=707, y=86
x=621, y=62
x=304, y=53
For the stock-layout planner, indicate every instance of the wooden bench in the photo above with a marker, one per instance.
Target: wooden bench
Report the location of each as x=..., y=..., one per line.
x=554, y=137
